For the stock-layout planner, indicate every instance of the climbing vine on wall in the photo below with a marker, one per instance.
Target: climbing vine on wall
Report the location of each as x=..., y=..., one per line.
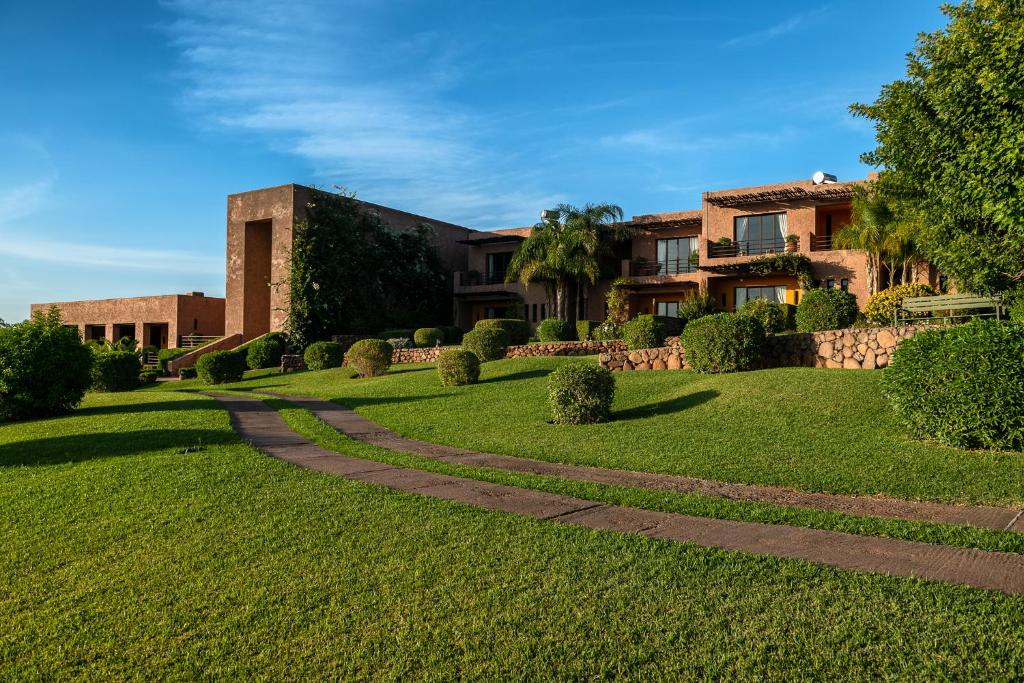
x=787, y=262
x=350, y=273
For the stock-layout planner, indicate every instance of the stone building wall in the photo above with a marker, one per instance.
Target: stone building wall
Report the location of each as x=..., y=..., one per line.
x=857, y=349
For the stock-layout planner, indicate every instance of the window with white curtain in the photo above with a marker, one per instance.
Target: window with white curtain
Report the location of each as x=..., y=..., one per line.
x=776, y=294
x=762, y=233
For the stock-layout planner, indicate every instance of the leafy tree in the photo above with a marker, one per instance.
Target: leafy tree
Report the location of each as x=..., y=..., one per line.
x=567, y=251
x=949, y=138
x=351, y=274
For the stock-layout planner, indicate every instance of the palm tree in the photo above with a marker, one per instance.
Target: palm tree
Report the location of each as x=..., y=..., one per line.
x=870, y=230
x=567, y=249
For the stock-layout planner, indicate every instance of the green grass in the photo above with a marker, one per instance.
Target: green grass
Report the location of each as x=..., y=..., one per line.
x=816, y=430
x=142, y=539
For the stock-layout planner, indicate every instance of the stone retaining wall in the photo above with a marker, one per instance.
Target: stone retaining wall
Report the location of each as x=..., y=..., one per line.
x=291, y=362
x=587, y=348
x=428, y=354
x=867, y=349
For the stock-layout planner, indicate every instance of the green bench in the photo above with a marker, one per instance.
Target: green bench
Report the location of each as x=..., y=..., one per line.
x=955, y=306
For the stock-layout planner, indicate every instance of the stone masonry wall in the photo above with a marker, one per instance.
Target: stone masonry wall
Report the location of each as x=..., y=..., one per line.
x=587, y=348
x=867, y=349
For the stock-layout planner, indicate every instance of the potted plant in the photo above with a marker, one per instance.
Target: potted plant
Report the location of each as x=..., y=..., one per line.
x=694, y=258
x=792, y=243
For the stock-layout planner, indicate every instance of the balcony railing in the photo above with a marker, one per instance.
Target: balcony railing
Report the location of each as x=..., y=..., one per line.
x=821, y=243
x=194, y=341
x=746, y=248
x=670, y=267
x=472, y=279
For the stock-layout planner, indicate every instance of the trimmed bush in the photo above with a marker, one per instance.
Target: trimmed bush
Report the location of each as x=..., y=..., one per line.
x=826, y=309
x=486, y=343
x=369, y=357
x=554, y=330
x=218, y=367
x=962, y=386
x=697, y=306
x=116, y=371
x=518, y=330
x=880, y=307
x=581, y=392
x=671, y=325
x=457, y=367
x=452, y=334
x=428, y=336
x=265, y=353
x=643, y=332
x=322, y=355
x=585, y=328
x=44, y=368
x=771, y=315
x=165, y=356
x=148, y=377
x=723, y=342
x=187, y=373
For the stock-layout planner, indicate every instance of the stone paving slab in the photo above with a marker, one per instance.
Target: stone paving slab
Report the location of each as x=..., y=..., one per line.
x=977, y=568
x=981, y=516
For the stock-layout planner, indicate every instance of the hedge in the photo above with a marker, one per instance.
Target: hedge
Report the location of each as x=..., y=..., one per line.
x=218, y=367
x=554, y=330
x=962, y=386
x=487, y=343
x=723, y=342
x=265, y=352
x=772, y=316
x=585, y=328
x=697, y=306
x=322, y=355
x=581, y=392
x=426, y=337
x=370, y=357
x=881, y=307
x=457, y=367
x=826, y=309
x=518, y=330
x=116, y=371
x=643, y=332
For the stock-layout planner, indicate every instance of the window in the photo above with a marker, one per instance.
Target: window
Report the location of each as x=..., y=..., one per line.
x=844, y=285
x=534, y=313
x=674, y=255
x=497, y=266
x=760, y=234
x=543, y=312
x=830, y=283
x=668, y=308
x=776, y=294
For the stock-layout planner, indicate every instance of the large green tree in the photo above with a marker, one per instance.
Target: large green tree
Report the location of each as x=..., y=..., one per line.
x=951, y=142
x=567, y=250
x=351, y=273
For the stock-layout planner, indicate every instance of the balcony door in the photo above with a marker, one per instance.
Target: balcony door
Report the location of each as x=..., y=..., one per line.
x=674, y=255
x=497, y=266
x=763, y=234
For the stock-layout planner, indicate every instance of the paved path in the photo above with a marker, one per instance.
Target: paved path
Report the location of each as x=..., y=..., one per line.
x=358, y=427
x=264, y=428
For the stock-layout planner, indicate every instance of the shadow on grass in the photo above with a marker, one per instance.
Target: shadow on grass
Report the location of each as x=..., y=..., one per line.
x=57, y=450
x=354, y=402
x=525, y=374
x=672, y=405
x=149, y=407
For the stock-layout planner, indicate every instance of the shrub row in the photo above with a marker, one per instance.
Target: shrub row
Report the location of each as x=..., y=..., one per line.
x=555, y=330
x=723, y=342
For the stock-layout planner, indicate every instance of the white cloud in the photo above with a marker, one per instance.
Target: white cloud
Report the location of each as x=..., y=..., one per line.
x=676, y=139
x=774, y=31
x=99, y=256
x=367, y=111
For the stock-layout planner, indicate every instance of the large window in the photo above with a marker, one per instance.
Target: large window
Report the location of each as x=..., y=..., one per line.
x=497, y=266
x=668, y=308
x=674, y=255
x=760, y=234
x=774, y=294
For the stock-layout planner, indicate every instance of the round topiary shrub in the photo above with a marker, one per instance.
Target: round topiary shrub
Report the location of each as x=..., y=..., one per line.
x=643, y=332
x=218, y=367
x=116, y=371
x=323, y=355
x=44, y=368
x=881, y=307
x=518, y=330
x=265, y=353
x=370, y=357
x=554, y=330
x=724, y=342
x=457, y=367
x=962, y=386
x=428, y=336
x=771, y=315
x=486, y=343
x=581, y=392
x=826, y=309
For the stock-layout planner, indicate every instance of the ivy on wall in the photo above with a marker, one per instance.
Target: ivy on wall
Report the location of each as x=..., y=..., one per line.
x=351, y=274
x=797, y=265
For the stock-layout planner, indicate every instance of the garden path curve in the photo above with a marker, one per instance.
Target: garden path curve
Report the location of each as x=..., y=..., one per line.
x=358, y=427
x=267, y=431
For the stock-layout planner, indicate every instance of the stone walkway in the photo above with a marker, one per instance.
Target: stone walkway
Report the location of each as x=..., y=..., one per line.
x=264, y=428
x=358, y=427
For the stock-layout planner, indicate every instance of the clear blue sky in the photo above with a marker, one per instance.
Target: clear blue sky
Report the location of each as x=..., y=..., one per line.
x=123, y=125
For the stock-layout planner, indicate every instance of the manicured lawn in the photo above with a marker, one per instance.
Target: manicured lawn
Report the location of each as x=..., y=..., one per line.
x=141, y=538
x=818, y=430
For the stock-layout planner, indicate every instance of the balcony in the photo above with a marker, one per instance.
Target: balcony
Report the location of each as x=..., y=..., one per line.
x=821, y=243
x=670, y=267
x=477, y=279
x=747, y=248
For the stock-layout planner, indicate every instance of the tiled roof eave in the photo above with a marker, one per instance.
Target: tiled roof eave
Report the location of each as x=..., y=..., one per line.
x=781, y=195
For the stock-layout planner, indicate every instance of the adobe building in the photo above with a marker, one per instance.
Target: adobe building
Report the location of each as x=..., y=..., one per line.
x=159, y=321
